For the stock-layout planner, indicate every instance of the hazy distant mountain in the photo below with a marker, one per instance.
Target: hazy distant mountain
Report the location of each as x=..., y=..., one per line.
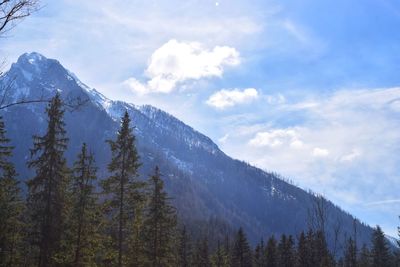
x=204, y=182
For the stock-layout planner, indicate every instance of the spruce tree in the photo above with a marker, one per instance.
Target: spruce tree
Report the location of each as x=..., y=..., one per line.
x=46, y=200
x=241, y=254
x=85, y=216
x=11, y=205
x=136, y=249
x=271, y=253
x=184, y=248
x=159, y=224
x=380, y=249
x=285, y=252
x=364, y=258
x=121, y=189
x=350, y=256
x=322, y=256
x=303, y=251
x=201, y=257
x=220, y=257
x=259, y=255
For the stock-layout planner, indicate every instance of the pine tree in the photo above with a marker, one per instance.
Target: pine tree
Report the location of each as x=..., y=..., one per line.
x=380, y=250
x=220, y=257
x=201, y=257
x=136, y=247
x=122, y=189
x=350, y=256
x=159, y=224
x=364, y=259
x=46, y=200
x=303, y=251
x=84, y=219
x=228, y=249
x=271, y=253
x=259, y=255
x=320, y=250
x=11, y=205
x=241, y=254
x=285, y=251
x=184, y=249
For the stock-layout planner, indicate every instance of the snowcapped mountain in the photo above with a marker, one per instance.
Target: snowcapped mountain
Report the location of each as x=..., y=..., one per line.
x=204, y=182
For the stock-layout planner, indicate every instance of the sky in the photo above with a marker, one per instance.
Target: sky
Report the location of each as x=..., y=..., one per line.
x=309, y=89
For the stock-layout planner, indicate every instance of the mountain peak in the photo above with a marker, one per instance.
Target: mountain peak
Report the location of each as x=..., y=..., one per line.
x=31, y=64
x=32, y=58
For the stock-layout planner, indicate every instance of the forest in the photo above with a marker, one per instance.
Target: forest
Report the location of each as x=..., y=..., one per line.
x=65, y=216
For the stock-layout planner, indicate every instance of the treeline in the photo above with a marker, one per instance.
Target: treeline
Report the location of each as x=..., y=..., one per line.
x=69, y=218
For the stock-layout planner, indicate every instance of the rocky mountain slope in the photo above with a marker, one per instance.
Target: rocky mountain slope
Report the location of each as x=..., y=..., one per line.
x=203, y=181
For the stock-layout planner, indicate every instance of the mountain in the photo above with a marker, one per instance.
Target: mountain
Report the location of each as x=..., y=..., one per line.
x=206, y=185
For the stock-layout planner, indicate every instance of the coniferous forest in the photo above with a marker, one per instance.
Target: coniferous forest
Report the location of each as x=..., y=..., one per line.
x=66, y=216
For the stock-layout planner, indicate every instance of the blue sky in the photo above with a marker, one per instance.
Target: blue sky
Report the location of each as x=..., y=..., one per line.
x=309, y=88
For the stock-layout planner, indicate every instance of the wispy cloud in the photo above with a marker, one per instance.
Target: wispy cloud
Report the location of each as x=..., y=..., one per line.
x=229, y=98
x=347, y=142
x=383, y=202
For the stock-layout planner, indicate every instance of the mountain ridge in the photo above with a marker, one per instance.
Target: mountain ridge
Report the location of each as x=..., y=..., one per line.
x=204, y=181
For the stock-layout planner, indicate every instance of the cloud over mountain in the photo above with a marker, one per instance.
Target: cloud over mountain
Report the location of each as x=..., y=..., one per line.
x=176, y=62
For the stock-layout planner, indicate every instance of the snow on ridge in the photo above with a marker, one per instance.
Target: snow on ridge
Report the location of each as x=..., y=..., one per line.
x=168, y=122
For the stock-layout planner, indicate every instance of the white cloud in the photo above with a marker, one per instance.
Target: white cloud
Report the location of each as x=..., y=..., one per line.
x=275, y=138
x=175, y=63
x=355, y=132
x=355, y=153
x=320, y=152
x=229, y=98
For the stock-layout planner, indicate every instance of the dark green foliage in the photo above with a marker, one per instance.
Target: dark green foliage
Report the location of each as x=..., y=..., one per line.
x=380, y=250
x=85, y=218
x=364, y=259
x=303, y=251
x=201, y=257
x=184, y=248
x=286, y=254
x=259, y=255
x=241, y=253
x=46, y=200
x=220, y=257
x=159, y=224
x=122, y=190
x=322, y=256
x=350, y=256
x=11, y=205
x=271, y=253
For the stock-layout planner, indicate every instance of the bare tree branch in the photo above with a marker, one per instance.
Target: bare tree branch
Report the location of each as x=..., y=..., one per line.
x=12, y=11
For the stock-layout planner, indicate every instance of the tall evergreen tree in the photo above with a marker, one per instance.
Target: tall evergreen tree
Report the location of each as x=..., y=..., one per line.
x=122, y=188
x=271, y=253
x=380, y=249
x=259, y=255
x=322, y=256
x=11, y=205
x=285, y=251
x=201, y=257
x=184, y=248
x=364, y=258
x=47, y=188
x=85, y=216
x=220, y=257
x=303, y=251
x=350, y=256
x=241, y=254
x=136, y=246
x=160, y=223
